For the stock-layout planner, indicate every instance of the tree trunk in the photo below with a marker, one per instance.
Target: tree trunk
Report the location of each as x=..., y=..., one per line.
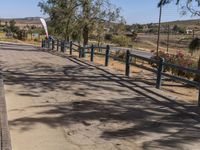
x=68, y=38
x=99, y=41
x=85, y=35
x=86, y=16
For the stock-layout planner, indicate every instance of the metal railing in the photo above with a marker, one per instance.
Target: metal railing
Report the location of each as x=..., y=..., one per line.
x=159, y=71
x=82, y=50
x=105, y=51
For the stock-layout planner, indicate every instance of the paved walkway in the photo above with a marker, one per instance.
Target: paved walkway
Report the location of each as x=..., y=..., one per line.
x=5, y=141
x=61, y=103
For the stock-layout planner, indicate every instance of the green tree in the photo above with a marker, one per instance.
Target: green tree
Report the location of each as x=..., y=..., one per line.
x=120, y=28
x=6, y=23
x=70, y=16
x=12, y=26
x=93, y=13
x=62, y=15
x=100, y=32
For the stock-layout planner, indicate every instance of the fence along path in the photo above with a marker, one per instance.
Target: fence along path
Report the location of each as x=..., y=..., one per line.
x=161, y=64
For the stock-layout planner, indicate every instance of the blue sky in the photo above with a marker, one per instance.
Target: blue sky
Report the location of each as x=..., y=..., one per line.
x=134, y=11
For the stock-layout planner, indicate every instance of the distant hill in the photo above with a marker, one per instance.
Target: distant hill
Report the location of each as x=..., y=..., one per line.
x=152, y=27
x=35, y=20
x=21, y=22
x=185, y=23
x=194, y=24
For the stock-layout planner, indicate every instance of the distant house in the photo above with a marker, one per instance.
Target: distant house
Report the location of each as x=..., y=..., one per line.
x=189, y=31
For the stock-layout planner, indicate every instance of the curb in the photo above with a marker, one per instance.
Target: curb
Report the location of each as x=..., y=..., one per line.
x=5, y=143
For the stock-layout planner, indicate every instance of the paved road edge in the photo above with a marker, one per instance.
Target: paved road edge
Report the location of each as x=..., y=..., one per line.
x=5, y=133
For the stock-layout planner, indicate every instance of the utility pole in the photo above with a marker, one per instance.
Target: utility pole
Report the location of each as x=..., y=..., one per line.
x=193, y=36
x=159, y=24
x=168, y=38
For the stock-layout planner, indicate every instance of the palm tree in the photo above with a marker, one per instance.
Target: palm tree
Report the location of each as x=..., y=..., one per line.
x=193, y=47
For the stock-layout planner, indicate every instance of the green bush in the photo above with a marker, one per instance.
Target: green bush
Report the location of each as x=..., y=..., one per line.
x=36, y=40
x=121, y=40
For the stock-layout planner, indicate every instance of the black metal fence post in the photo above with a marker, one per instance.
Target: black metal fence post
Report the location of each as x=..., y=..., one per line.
x=70, y=47
x=53, y=44
x=48, y=44
x=199, y=97
x=107, y=55
x=159, y=74
x=61, y=46
x=92, y=53
x=64, y=48
x=42, y=43
x=80, y=51
x=83, y=51
x=57, y=45
x=127, y=73
x=45, y=43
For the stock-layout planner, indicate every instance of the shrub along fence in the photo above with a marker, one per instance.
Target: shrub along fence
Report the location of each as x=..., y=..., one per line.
x=129, y=61
x=161, y=64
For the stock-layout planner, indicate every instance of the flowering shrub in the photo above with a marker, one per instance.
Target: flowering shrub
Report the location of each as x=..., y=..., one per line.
x=178, y=59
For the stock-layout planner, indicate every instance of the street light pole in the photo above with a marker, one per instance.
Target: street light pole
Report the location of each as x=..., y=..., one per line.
x=159, y=24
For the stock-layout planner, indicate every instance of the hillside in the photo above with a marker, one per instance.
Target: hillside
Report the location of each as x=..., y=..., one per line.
x=22, y=22
x=185, y=23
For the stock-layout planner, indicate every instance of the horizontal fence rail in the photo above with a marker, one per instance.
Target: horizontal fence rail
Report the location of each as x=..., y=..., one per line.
x=82, y=50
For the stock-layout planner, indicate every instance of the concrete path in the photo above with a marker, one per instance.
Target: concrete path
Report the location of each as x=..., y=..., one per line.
x=61, y=103
x=5, y=141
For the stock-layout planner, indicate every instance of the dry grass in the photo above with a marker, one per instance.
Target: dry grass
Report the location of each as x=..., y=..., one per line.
x=2, y=34
x=9, y=40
